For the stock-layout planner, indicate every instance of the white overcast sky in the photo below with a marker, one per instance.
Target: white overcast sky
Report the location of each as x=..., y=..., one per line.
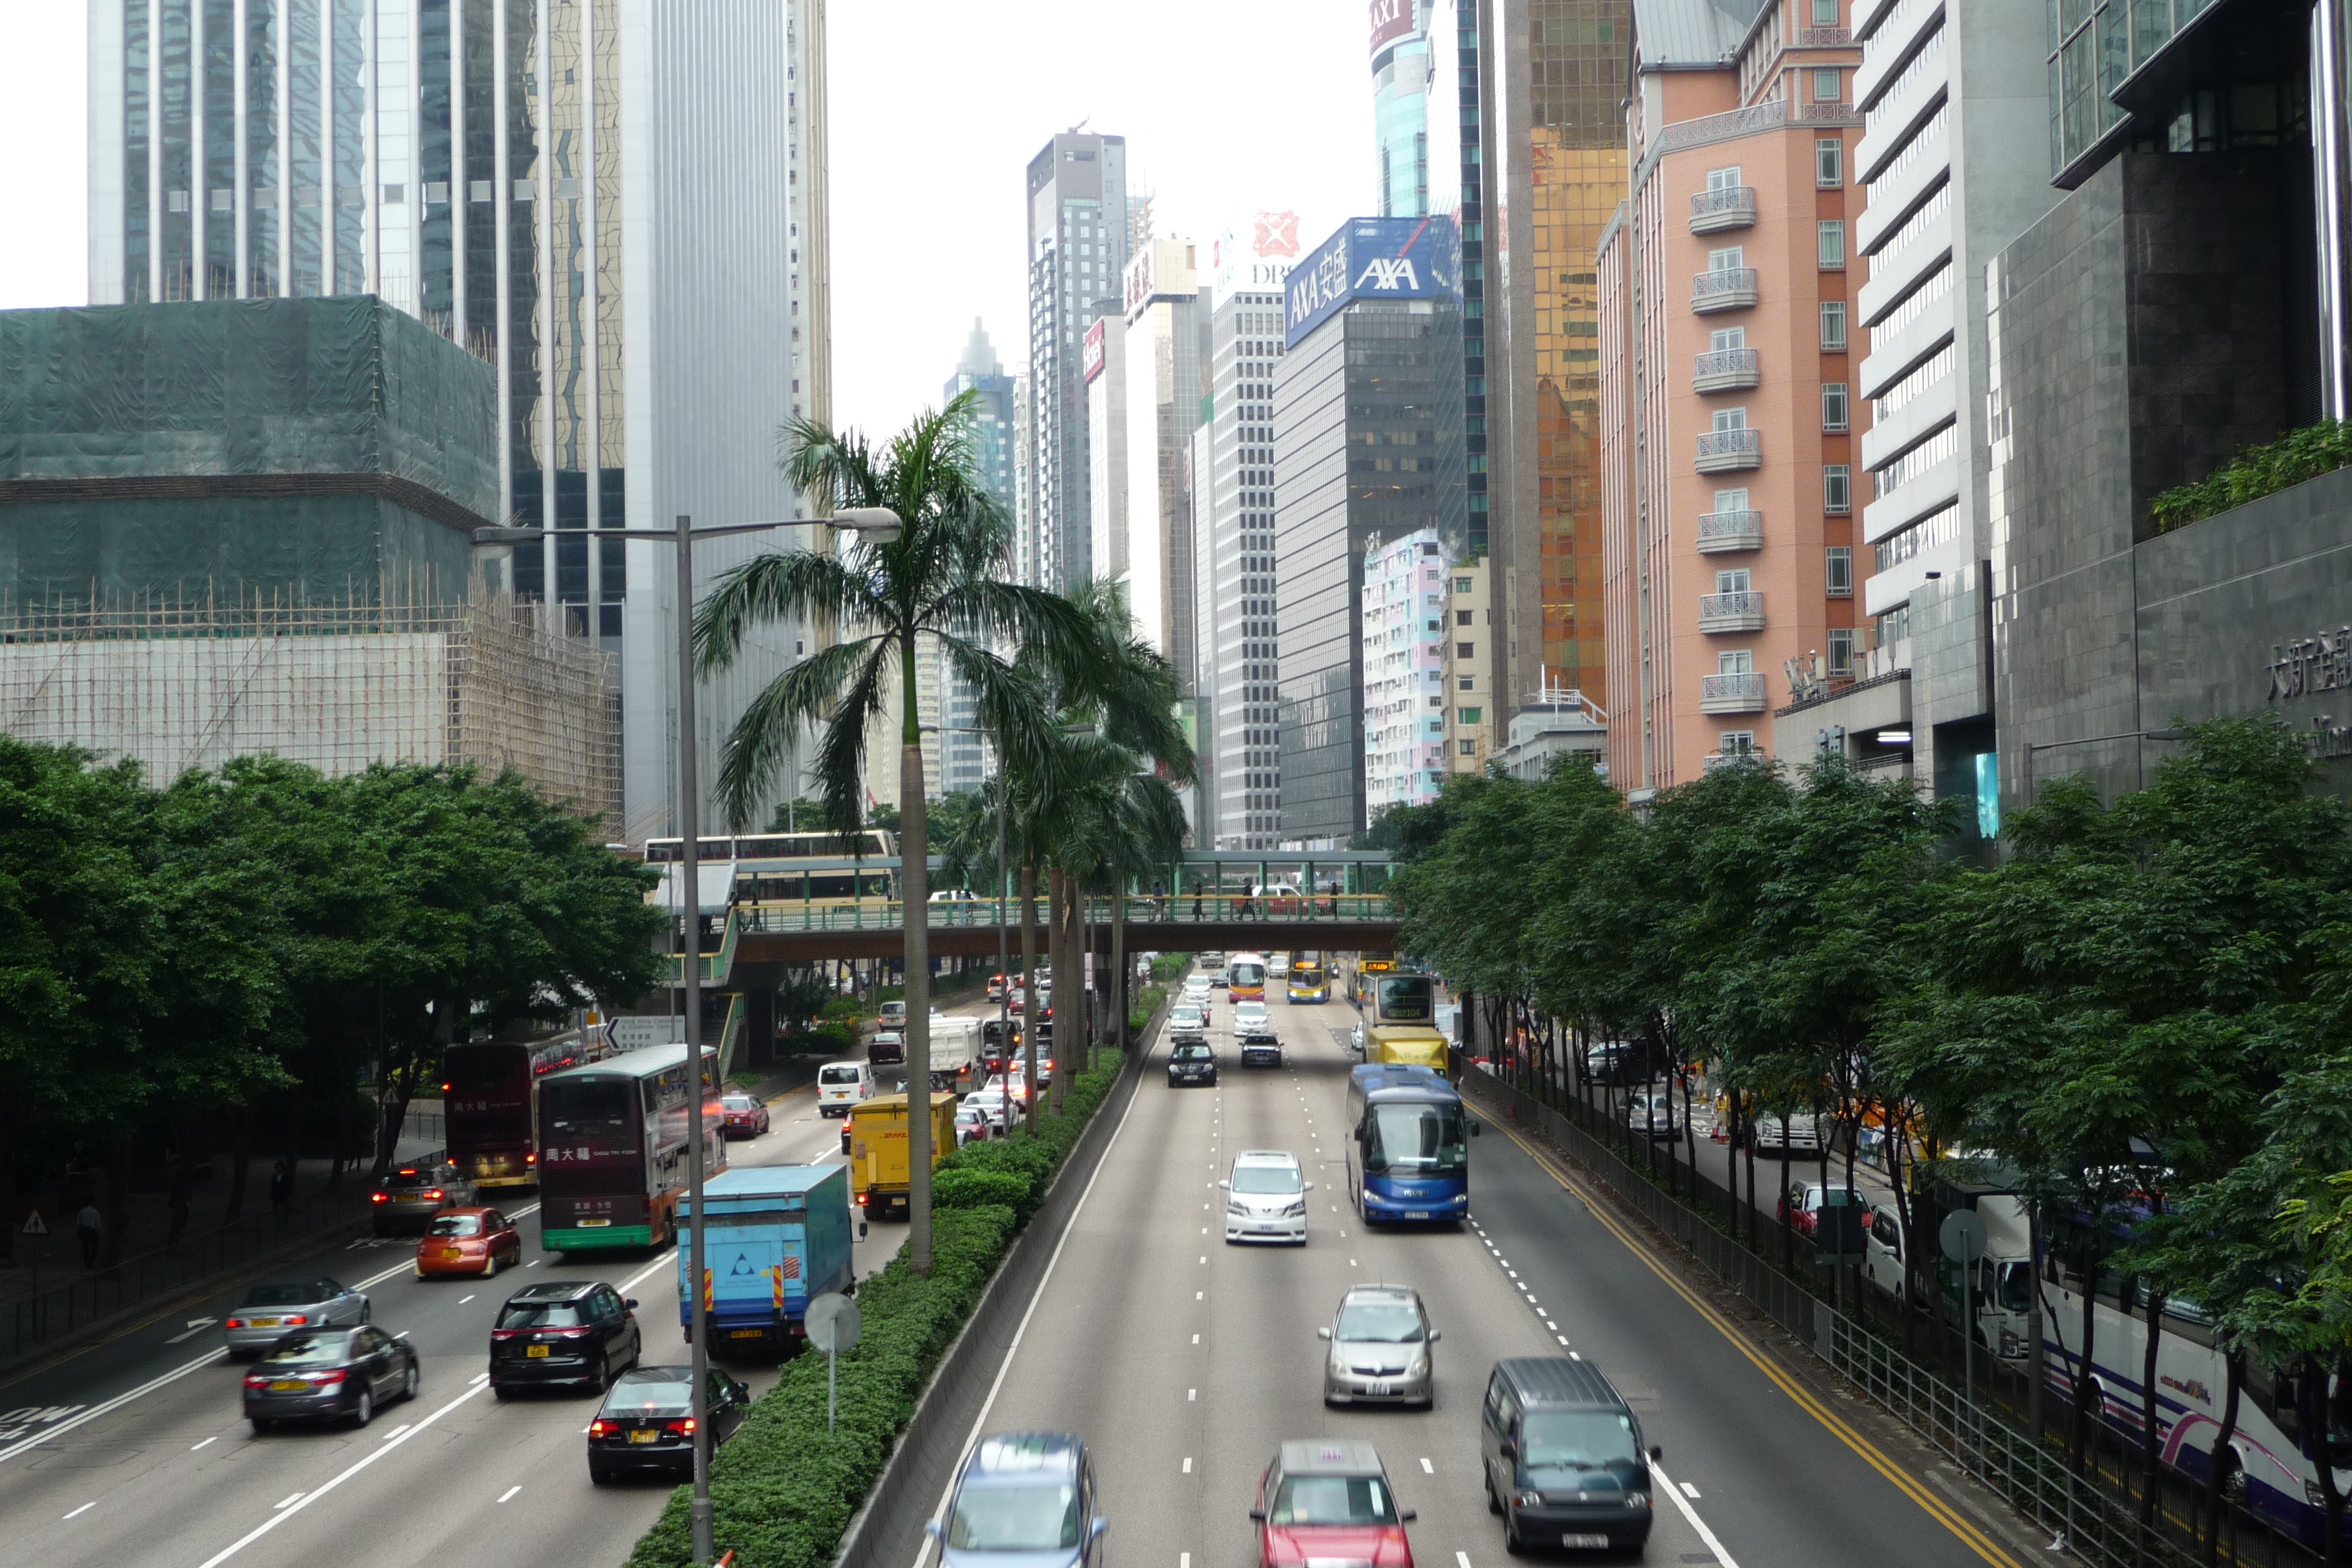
x=938, y=106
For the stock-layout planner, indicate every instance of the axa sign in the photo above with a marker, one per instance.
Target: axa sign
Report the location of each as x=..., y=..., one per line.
x=1372, y=259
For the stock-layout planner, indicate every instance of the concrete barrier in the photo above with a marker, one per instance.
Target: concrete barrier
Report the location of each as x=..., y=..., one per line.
x=887, y=1531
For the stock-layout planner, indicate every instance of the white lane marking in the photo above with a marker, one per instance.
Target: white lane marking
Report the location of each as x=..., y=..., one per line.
x=196, y=1326
x=116, y=1403
x=1191, y=1393
x=206, y=1443
x=479, y=1379
x=650, y=1270
x=1690, y=1491
x=285, y=1513
x=82, y=1510
x=1462, y=1560
x=1351, y=1263
x=395, y=1432
x=1004, y=1362
x=1196, y=1339
x=1562, y=1338
x=408, y=1267
x=290, y=1497
x=532, y=1263
x=463, y=1300
x=509, y=1492
x=1667, y=1485
x=1199, y=1295
x=1183, y=1560
x=1205, y=1257
x=1204, y=1229
x=1188, y=1464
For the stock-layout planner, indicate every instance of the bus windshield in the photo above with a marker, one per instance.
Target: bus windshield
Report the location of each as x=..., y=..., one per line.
x=586, y=1107
x=1246, y=974
x=1417, y=1138
x=478, y=1069
x=1404, y=999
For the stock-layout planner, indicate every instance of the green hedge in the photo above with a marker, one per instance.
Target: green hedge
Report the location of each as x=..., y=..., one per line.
x=783, y=1487
x=2255, y=472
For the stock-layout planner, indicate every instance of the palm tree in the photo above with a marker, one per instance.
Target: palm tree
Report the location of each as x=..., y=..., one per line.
x=936, y=581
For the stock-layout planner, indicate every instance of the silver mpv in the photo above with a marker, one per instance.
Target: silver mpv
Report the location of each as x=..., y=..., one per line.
x=1380, y=1354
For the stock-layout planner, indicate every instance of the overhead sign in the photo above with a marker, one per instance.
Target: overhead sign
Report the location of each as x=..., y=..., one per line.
x=1090, y=358
x=1391, y=20
x=1138, y=278
x=637, y=1034
x=1373, y=258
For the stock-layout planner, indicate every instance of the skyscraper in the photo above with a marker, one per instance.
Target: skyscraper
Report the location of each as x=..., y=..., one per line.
x=1080, y=230
x=1165, y=321
x=959, y=762
x=1367, y=449
x=605, y=201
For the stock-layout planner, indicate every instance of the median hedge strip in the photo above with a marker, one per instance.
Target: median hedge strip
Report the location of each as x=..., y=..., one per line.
x=785, y=1489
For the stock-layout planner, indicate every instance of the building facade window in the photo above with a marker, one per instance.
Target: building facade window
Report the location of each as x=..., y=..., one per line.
x=1736, y=743
x=1842, y=641
x=1825, y=13
x=1837, y=488
x=1829, y=162
x=1833, y=243
x=1730, y=418
x=1723, y=179
x=1825, y=86
x=1834, y=326
x=1838, y=570
x=1470, y=715
x=1833, y=406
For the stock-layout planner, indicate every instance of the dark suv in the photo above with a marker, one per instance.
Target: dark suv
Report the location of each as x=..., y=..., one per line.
x=576, y=1333
x=1563, y=1457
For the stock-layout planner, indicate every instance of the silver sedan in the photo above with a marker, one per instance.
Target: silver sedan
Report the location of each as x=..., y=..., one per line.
x=1380, y=1342
x=277, y=1308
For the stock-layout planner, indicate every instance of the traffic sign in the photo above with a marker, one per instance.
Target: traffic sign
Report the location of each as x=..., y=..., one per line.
x=834, y=1322
x=34, y=1225
x=1962, y=1236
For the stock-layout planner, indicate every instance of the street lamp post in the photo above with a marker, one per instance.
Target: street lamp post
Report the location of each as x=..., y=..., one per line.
x=2037, y=748
x=883, y=525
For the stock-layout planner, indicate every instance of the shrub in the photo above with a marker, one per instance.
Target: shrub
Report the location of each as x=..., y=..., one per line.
x=2255, y=472
x=973, y=1189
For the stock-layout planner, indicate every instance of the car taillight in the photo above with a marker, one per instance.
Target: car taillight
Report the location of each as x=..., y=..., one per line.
x=256, y=1380
x=601, y=1428
x=530, y=1159
x=569, y=1334
x=324, y=1379
x=684, y=1428
x=378, y=1197
x=505, y=1333
x=296, y=1321
x=861, y=1199
x=234, y=1323
x=435, y=1195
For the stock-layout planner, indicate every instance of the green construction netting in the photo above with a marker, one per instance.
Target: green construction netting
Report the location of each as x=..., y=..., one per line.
x=253, y=387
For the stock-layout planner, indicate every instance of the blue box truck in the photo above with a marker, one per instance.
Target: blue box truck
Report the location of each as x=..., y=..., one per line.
x=774, y=1239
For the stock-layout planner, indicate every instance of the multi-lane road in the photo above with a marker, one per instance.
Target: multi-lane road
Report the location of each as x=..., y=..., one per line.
x=134, y=1454
x=1183, y=1361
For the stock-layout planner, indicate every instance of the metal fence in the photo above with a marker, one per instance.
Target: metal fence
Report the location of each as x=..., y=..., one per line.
x=2094, y=1522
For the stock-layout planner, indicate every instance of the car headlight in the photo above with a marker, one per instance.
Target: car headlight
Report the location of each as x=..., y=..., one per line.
x=1237, y=1211
x=1637, y=1500
x=1420, y=1365
x=1527, y=1500
x=1339, y=1362
x=1296, y=1211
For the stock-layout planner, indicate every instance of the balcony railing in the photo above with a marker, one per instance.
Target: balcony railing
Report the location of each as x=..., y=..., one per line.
x=1823, y=37
x=1722, y=450
x=1723, y=288
x=1727, y=370
x=1721, y=530
x=1732, y=206
x=1732, y=693
x=1741, y=612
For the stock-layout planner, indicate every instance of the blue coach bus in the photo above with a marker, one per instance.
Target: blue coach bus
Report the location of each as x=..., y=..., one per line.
x=1408, y=1145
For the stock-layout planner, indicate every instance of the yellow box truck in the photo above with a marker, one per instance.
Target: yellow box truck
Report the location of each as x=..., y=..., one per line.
x=878, y=1150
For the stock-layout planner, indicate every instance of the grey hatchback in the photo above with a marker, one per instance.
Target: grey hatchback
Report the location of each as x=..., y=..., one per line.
x=1379, y=1349
x=1025, y=1500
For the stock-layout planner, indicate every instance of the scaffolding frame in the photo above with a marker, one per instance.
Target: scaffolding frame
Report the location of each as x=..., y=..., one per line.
x=402, y=674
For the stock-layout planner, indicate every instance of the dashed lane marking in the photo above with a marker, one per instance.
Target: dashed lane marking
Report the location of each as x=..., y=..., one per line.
x=116, y=1403
x=1188, y=1464
x=1690, y=1491
x=1426, y=1467
x=82, y=1510
x=1690, y=1514
x=508, y=1493
x=205, y=1444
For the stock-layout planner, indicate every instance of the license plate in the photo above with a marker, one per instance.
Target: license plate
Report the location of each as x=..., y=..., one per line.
x=453, y=1253
x=289, y=1385
x=1416, y=1214
x=749, y=1334
x=593, y=1224
x=265, y=1323
x=1586, y=1542
x=534, y=1350
x=645, y=1435
x=1379, y=1389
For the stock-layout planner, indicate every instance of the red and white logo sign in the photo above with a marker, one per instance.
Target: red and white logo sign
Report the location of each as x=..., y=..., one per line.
x=1090, y=357
x=1391, y=20
x=1277, y=234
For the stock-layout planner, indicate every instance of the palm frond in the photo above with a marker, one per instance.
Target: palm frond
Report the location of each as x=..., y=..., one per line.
x=789, y=585
x=803, y=696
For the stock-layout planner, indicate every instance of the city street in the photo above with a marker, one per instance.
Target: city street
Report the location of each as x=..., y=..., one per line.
x=133, y=1453
x=1185, y=1361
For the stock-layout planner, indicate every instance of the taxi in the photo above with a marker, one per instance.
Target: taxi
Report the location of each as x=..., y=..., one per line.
x=746, y=1114
x=477, y=1242
x=1330, y=1502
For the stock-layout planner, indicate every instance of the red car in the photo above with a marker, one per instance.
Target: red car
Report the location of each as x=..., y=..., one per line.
x=1801, y=1205
x=475, y=1241
x=747, y=1115
x=1330, y=1502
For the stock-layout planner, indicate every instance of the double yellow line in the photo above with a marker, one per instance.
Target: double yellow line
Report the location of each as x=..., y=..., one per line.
x=1941, y=1511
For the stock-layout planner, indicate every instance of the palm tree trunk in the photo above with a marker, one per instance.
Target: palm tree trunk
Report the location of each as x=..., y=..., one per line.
x=1029, y=985
x=914, y=884
x=1118, y=966
x=1057, y=947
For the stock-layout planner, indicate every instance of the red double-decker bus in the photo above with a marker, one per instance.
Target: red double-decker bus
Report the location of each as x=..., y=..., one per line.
x=490, y=1099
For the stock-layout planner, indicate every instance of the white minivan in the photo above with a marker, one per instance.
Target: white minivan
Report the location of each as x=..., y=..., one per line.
x=843, y=1087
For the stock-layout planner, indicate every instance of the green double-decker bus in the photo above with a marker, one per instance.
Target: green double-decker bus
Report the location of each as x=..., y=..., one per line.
x=612, y=1147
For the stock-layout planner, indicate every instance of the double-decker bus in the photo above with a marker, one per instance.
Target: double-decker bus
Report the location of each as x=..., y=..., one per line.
x=773, y=868
x=1246, y=977
x=1363, y=969
x=1308, y=980
x=489, y=1096
x=1402, y=1029
x=1408, y=1145
x=612, y=1146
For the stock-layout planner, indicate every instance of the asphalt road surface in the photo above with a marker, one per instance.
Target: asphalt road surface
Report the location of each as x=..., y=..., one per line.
x=134, y=1453
x=1185, y=1361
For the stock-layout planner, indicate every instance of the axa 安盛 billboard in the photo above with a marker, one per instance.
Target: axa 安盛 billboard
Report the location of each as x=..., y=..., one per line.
x=1372, y=259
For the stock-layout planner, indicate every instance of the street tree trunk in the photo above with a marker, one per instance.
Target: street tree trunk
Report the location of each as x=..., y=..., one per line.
x=1029, y=985
x=2151, y=1441
x=1118, y=968
x=2078, y=1430
x=2220, y=1467
x=914, y=880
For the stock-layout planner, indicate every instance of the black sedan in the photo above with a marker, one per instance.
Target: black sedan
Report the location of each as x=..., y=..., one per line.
x=1190, y=1062
x=647, y=1424
x=328, y=1374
